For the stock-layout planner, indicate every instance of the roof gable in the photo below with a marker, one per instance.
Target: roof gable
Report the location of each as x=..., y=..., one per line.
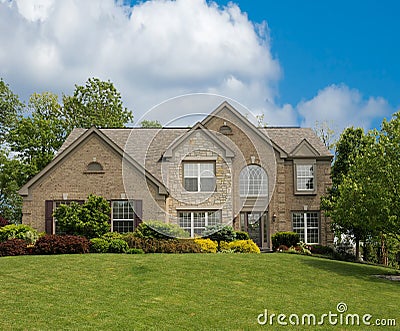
x=199, y=126
x=304, y=149
x=84, y=136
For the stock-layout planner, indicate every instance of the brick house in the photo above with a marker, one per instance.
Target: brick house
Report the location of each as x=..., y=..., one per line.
x=222, y=170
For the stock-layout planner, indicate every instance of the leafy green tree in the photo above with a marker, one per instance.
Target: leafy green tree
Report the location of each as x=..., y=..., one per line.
x=150, y=124
x=98, y=103
x=90, y=219
x=12, y=175
x=10, y=107
x=36, y=139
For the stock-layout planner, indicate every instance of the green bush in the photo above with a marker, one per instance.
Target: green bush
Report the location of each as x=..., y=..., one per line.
x=134, y=251
x=220, y=232
x=243, y=246
x=207, y=245
x=160, y=230
x=117, y=246
x=90, y=219
x=151, y=245
x=99, y=245
x=112, y=235
x=322, y=250
x=242, y=235
x=20, y=231
x=288, y=239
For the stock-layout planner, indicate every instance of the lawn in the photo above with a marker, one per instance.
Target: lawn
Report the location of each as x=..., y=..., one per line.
x=187, y=291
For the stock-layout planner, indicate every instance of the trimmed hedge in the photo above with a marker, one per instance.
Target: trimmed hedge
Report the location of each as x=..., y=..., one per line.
x=99, y=245
x=289, y=239
x=240, y=246
x=160, y=230
x=150, y=245
x=64, y=244
x=117, y=246
x=242, y=235
x=14, y=247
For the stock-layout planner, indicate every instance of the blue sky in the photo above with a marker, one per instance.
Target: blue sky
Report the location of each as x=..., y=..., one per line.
x=295, y=62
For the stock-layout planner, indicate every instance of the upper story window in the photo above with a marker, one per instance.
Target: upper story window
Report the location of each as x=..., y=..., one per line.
x=199, y=177
x=305, y=177
x=253, y=181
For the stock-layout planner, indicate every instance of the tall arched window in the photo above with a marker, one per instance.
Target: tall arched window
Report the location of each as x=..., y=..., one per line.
x=253, y=181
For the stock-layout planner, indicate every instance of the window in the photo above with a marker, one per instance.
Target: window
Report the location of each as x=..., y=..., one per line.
x=123, y=216
x=306, y=224
x=94, y=167
x=199, y=177
x=253, y=181
x=195, y=222
x=305, y=177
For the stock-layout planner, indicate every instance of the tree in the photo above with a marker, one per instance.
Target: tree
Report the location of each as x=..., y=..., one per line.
x=325, y=133
x=150, y=124
x=90, y=219
x=37, y=138
x=98, y=103
x=12, y=175
x=10, y=107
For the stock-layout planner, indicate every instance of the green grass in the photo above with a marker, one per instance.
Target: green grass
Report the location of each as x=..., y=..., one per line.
x=185, y=292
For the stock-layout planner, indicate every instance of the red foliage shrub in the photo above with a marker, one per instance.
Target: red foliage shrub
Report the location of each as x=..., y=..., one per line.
x=64, y=244
x=13, y=247
x=3, y=221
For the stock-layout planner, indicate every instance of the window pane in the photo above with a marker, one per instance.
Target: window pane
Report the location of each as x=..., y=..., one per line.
x=253, y=181
x=191, y=184
x=305, y=177
x=207, y=184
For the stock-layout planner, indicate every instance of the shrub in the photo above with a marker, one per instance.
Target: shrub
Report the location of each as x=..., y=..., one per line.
x=90, y=219
x=64, y=244
x=160, y=230
x=322, y=250
x=134, y=251
x=220, y=232
x=207, y=245
x=288, y=239
x=151, y=245
x=3, y=222
x=99, y=245
x=20, y=231
x=13, y=247
x=242, y=235
x=117, y=246
x=112, y=235
x=244, y=246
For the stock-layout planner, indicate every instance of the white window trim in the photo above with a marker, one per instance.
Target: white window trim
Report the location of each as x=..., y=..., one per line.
x=305, y=162
x=192, y=212
x=198, y=176
x=250, y=195
x=306, y=228
x=121, y=219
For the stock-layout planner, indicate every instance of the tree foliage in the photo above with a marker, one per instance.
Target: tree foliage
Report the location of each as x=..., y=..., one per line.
x=150, y=124
x=10, y=107
x=98, y=103
x=90, y=219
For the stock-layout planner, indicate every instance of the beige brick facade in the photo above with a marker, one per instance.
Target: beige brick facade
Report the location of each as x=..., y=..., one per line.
x=225, y=138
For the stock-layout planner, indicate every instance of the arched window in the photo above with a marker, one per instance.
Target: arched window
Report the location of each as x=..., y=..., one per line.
x=94, y=166
x=253, y=181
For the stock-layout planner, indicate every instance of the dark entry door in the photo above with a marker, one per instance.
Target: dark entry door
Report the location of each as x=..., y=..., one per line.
x=251, y=223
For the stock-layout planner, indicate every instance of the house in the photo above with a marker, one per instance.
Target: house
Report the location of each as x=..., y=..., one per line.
x=222, y=170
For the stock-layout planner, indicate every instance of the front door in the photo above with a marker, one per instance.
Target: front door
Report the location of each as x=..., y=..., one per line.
x=251, y=222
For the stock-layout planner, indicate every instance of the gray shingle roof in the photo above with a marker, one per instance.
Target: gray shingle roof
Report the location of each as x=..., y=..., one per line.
x=147, y=146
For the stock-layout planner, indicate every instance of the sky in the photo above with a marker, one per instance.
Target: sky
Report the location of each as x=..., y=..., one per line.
x=294, y=62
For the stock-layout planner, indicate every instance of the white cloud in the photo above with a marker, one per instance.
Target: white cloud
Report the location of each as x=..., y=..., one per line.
x=341, y=107
x=153, y=51
x=157, y=50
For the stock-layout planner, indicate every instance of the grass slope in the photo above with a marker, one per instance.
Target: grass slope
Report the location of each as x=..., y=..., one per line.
x=185, y=292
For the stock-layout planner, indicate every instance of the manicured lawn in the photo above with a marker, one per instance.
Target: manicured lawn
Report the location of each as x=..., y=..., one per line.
x=186, y=292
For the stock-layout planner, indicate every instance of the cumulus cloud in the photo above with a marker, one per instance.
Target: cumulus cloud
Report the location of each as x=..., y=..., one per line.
x=151, y=51
x=340, y=107
x=158, y=50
